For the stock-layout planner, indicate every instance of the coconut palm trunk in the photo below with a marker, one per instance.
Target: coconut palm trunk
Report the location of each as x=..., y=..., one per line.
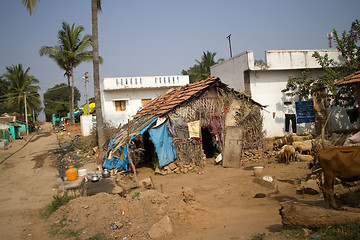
x=72, y=119
x=99, y=116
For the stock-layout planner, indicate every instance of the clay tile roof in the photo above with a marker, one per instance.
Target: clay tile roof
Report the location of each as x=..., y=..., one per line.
x=176, y=96
x=351, y=79
x=10, y=119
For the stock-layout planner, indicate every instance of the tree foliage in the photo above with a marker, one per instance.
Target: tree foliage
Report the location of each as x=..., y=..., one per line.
x=201, y=70
x=4, y=90
x=56, y=100
x=70, y=52
x=20, y=83
x=311, y=81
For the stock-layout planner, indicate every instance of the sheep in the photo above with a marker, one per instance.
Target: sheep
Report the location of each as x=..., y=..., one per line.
x=303, y=146
x=287, y=153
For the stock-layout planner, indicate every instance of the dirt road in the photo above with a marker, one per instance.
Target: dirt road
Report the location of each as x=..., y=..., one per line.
x=225, y=204
x=27, y=183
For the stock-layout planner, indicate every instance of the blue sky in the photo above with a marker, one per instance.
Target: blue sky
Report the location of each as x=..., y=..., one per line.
x=163, y=37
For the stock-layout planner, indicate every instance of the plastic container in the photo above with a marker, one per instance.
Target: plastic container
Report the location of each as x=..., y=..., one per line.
x=71, y=173
x=82, y=172
x=258, y=171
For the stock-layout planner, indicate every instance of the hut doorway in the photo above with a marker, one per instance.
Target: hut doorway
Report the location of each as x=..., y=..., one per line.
x=150, y=158
x=207, y=142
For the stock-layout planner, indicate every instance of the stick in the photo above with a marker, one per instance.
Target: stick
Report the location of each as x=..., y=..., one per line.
x=131, y=162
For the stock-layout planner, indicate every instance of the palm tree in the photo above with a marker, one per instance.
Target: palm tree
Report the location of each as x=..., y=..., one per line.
x=201, y=70
x=30, y=5
x=207, y=60
x=21, y=86
x=71, y=51
x=95, y=7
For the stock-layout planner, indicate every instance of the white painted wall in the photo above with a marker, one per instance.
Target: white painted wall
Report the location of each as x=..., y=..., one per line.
x=266, y=83
x=296, y=59
x=266, y=89
x=233, y=70
x=133, y=90
x=88, y=123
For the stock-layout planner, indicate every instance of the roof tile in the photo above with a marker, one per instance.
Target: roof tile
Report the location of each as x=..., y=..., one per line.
x=350, y=79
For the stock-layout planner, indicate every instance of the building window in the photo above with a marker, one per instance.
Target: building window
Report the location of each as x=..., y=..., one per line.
x=145, y=101
x=155, y=80
x=140, y=81
x=120, y=105
x=117, y=82
x=135, y=80
x=126, y=81
x=121, y=81
x=168, y=79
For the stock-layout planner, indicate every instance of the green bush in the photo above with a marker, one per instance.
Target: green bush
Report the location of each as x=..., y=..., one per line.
x=348, y=231
x=56, y=203
x=99, y=237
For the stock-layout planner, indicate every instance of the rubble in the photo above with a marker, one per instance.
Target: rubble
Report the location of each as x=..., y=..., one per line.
x=161, y=229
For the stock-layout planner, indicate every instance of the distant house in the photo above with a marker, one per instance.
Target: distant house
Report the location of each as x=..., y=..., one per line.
x=185, y=124
x=265, y=82
x=122, y=97
x=9, y=123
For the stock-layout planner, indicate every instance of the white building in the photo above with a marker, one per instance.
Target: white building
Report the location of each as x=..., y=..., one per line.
x=265, y=82
x=122, y=97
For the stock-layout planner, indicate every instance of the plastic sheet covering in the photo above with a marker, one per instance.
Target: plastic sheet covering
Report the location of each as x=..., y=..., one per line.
x=119, y=157
x=163, y=142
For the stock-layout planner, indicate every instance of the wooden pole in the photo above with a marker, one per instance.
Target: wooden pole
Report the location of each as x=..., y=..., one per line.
x=26, y=118
x=127, y=150
x=87, y=92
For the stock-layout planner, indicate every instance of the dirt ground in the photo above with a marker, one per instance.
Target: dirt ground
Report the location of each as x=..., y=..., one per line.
x=221, y=203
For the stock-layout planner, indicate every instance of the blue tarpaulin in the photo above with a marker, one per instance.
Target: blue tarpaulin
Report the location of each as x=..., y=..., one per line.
x=163, y=143
x=123, y=161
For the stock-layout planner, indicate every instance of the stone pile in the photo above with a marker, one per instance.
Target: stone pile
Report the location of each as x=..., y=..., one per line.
x=176, y=167
x=255, y=155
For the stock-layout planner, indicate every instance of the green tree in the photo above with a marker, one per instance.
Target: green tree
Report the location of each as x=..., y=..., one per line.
x=21, y=86
x=71, y=51
x=201, y=70
x=310, y=84
x=4, y=90
x=56, y=102
x=95, y=7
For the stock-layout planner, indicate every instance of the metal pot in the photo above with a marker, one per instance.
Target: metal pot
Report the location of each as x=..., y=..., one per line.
x=105, y=173
x=94, y=177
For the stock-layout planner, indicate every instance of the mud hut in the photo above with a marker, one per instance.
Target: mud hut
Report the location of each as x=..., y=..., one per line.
x=176, y=131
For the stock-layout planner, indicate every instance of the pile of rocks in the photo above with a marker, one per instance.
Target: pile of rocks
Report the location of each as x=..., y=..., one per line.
x=255, y=155
x=176, y=167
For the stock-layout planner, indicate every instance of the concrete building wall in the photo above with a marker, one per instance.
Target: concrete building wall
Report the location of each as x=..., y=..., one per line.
x=133, y=90
x=266, y=89
x=233, y=70
x=296, y=59
x=266, y=83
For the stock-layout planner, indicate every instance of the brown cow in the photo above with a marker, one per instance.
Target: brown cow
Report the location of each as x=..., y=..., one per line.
x=340, y=162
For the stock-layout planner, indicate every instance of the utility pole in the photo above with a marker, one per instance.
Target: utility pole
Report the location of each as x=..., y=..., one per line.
x=87, y=91
x=228, y=37
x=330, y=37
x=26, y=118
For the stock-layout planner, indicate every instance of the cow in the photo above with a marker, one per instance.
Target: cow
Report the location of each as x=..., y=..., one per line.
x=338, y=162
